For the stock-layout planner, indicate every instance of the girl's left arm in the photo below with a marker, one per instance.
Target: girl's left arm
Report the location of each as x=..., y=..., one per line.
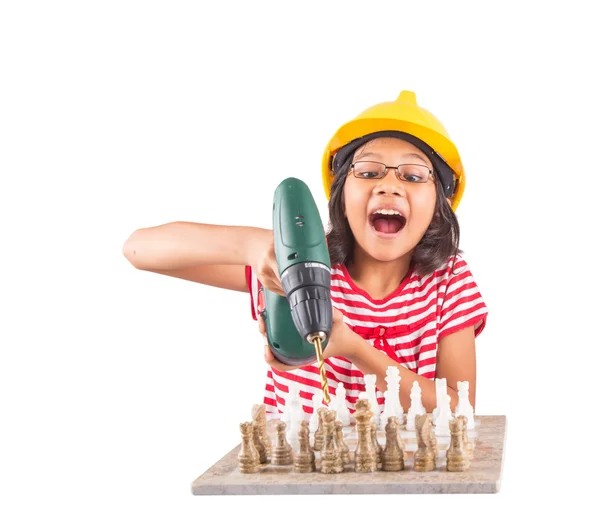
x=455, y=362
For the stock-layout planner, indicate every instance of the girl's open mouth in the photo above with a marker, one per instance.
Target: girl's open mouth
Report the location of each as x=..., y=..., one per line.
x=387, y=225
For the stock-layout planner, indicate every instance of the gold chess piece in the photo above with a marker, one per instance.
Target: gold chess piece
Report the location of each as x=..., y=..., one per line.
x=345, y=451
x=320, y=432
x=393, y=454
x=331, y=457
x=248, y=457
x=365, y=457
x=425, y=456
x=259, y=417
x=304, y=460
x=282, y=454
x=457, y=456
x=467, y=444
x=376, y=445
x=259, y=444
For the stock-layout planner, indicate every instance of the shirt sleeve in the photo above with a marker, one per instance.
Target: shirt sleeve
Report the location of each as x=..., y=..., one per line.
x=253, y=287
x=462, y=304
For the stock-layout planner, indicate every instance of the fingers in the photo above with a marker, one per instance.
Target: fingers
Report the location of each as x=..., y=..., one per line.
x=268, y=272
x=337, y=315
x=271, y=284
x=262, y=327
x=273, y=362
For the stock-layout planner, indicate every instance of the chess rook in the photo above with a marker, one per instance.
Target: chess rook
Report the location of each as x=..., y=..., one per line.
x=248, y=457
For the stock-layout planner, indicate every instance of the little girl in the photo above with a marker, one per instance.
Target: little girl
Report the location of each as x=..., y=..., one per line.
x=402, y=294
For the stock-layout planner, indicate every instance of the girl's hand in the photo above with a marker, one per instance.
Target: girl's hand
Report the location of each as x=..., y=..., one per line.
x=269, y=357
x=264, y=264
x=340, y=342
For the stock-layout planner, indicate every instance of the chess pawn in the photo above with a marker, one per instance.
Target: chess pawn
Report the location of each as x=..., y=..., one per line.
x=393, y=454
x=292, y=431
x=416, y=406
x=259, y=418
x=320, y=432
x=365, y=458
x=457, y=456
x=304, y=460
x=344, y=450
x=294, y=415
x=433, y=443
x=343, y=413
x=376, y=445
x=425, y=456
x=317, y=403
x=248, y=457
x=331, y=458
x=466, y=443
x=258, y=444
x=282, y=454
x=464, y=407
x=291, y=401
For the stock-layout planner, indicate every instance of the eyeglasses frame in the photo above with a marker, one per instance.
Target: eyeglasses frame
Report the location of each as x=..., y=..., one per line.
x=397, y=168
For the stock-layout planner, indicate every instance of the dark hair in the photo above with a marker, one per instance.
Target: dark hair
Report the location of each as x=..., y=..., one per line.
x=439, y=242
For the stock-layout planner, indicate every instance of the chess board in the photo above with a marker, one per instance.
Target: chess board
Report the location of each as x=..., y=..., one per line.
x=484, y=475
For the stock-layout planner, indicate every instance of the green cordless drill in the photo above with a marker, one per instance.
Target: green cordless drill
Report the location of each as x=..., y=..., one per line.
x=299, y=324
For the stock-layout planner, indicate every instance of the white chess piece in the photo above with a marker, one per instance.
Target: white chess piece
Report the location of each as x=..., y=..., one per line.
x=372, y=396
x=442, y=427
x=464, y=407
x=416, y=406
x=294, y=414
x=393, y=385
x=293, y=391
x=388, y=409
x=317, y=403
x=441, y=390
x=341, y=408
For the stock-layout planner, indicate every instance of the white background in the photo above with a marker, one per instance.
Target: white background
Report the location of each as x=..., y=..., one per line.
x=120, y=387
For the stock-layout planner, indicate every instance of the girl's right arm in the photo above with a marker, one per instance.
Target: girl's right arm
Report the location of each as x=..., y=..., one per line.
x=214, y=255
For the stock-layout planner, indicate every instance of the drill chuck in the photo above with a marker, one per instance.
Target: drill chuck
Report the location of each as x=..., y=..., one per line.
x=307, y=286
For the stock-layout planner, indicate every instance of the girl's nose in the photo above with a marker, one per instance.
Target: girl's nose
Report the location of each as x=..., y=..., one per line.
x=390, y=185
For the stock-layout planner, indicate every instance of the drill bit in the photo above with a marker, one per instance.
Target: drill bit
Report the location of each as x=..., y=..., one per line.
x=317, y=342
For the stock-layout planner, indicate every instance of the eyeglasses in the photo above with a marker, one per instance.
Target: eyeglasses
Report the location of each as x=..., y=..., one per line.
x=414, y=173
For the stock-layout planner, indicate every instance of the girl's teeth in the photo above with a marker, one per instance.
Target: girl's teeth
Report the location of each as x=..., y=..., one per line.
x=388, y=212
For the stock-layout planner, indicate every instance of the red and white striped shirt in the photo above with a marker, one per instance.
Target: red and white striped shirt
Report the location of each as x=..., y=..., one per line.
x=406, y=325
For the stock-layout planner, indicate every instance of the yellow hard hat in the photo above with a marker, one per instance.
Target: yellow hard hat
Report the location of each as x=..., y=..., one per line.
x=406, y=117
